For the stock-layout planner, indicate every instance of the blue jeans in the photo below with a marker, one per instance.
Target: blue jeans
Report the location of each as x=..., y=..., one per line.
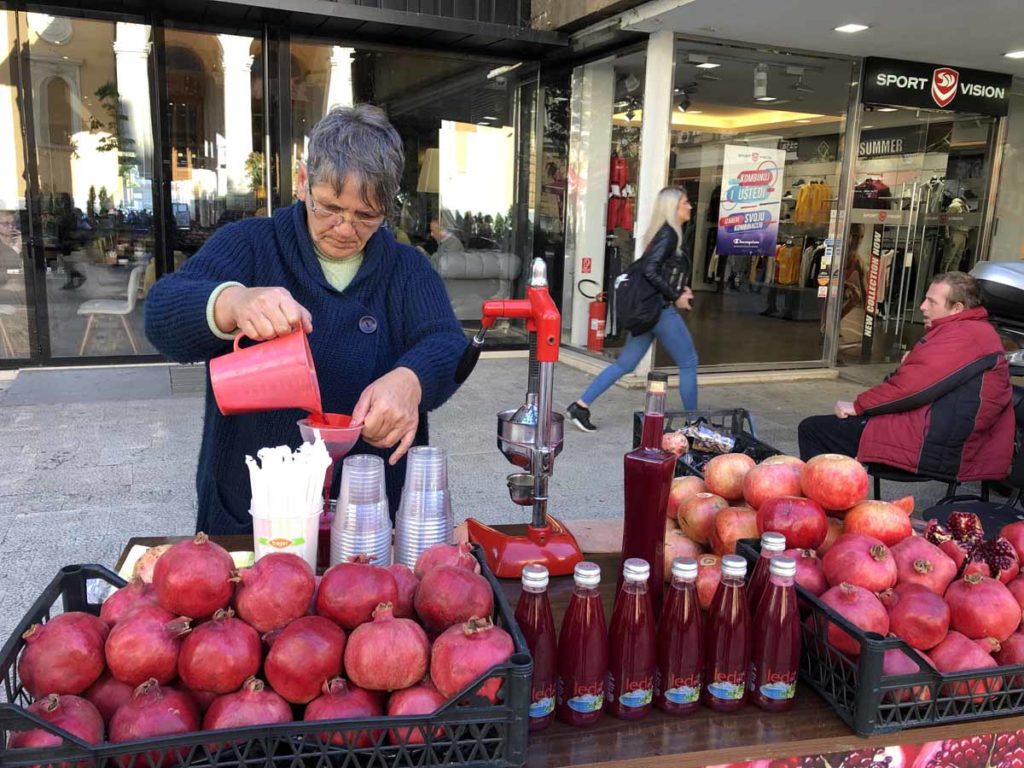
x=670, y=331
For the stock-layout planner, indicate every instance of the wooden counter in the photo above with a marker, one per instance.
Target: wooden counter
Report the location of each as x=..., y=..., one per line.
x=704, y=739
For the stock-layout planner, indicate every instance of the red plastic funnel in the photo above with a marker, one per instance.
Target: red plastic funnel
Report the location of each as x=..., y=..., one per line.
x=334, y=430
x=274, y=374
x=551, y=545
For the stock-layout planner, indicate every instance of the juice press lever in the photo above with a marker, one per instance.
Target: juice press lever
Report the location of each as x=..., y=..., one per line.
x=530, y=437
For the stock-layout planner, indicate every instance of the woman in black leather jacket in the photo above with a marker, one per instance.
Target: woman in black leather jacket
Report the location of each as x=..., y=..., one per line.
x=667, y=268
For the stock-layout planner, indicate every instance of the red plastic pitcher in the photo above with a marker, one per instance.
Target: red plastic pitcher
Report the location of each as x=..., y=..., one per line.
x=273, y=374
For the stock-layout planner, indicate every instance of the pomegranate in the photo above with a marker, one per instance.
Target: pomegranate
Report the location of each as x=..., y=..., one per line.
x=252, y=705
x=154, y=711
x=696, y=515
x=387, y=654
x=145, y=645
x=918, y=561
x=446, y=554
x=731, y=525
x=898, y=662
x=963, y=531
x=202, y=699
x=996, y=558
x=135, y=593
x=464, y=652
x=406, y=582
x=108, y=694
x=220, y=655
x=835, y=530
x=88, y=622
x=836, y=482
x=65, y=655
x=144, y=566
x=349, y=592
x=884, y=521
x=678, y=544
x=917, y=616
x=802, y=521
x=980, y=606
x=420, y=699
x=74, y=714
x=989, y=645
x=958, y=653
x=1011, y=653
x=861, y=560
x=193, y=578
x=858, y=606
x=302, y=656
x=343, y=701
x=775, y=476
x=276, y=590
x=682, y=488
x=449, y=595
x=1000, y=751
x=1014, y=533
x=1017, y=588
x=809, y=573
x=724, y=475
x=675, y=442
x=709, y=574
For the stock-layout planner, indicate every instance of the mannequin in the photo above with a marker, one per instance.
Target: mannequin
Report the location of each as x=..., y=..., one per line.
x=956, y=241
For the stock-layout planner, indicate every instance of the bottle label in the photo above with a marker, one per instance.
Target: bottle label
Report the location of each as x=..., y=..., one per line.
x=637, y=693
x=730, y=686
x=585, y=698
x=780, y=686
x=543, y=703
x=682, y=690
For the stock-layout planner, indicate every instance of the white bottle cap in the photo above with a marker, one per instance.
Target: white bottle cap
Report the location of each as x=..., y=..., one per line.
x=782, y=565
x=772, y=541
x=587, y=574
x=684, y=568
x=535, y=576
x=735, y=566
x=635, y=569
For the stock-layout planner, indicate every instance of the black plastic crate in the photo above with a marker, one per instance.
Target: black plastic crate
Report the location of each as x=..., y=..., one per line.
x=735, y=422
x=467, y=731
x=871, y=702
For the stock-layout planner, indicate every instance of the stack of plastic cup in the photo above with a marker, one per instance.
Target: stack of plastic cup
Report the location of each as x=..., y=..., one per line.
x=425, y=515
x=362, y=523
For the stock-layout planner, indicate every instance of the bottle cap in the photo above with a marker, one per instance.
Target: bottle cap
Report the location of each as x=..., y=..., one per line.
x=782, y=565
x=587, y=574
x=657, y=376
x=535, y=576
x=684, y=568
x=734, y=565
x=773, y=542
x=635, y=569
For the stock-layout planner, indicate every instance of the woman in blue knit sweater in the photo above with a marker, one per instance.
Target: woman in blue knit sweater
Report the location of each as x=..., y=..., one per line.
x=382, y=331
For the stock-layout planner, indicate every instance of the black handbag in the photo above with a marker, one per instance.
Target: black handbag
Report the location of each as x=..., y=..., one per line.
x=638, y=302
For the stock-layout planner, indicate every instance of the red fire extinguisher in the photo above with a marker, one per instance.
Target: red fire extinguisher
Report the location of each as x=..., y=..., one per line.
x=595, y=317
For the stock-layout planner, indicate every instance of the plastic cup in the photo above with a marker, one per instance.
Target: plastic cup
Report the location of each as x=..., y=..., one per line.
x=425, y=516
x=295, y=535
x=273, y=374
x=362, y=523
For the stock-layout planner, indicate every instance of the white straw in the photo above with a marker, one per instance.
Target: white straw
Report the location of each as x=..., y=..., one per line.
x=287, y=484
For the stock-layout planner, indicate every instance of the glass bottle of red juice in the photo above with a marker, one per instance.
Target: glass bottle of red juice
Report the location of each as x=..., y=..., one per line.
x=771, y=544
x=679, y=643
x=629, y=685
x=648, y=472
x=776, y=655
x=533, y=614
x=727, y=640
x=582, y=651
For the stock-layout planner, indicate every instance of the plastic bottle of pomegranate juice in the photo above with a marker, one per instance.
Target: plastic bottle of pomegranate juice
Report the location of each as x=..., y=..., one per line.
x=533, y=614
x=629, y=685
x=776, y=655
x=771, y=544
x=727, y=640
x=679, y=643
x=647, y=473
x=582, y=651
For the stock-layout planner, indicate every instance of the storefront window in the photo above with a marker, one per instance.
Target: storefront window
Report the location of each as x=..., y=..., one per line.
x=457, y=119
x=1008, y=239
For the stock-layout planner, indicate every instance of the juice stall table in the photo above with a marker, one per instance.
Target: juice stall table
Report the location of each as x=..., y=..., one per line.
x=749, y=738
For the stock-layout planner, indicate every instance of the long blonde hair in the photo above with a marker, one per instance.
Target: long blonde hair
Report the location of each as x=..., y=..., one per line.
x=665, y=212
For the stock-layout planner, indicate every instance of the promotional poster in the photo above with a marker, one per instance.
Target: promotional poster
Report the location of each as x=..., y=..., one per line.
x=748, y=215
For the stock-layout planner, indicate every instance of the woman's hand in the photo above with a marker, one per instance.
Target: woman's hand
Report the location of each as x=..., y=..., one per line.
x=260, y=313
x=389, y=410
x=685, y=300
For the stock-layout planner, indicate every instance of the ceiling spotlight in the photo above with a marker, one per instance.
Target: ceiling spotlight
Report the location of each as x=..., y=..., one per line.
x=1014, y=55
x=887, y=109
x=761, y=82
x=802, y=121
x=684, y=102
x=708, y=65
x=851, y=28
x=766, y=98
x=701, y=61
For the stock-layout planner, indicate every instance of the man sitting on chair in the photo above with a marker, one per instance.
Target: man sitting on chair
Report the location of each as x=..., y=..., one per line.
x=945, y=412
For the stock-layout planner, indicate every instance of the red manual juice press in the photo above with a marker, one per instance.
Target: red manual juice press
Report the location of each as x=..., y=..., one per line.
x=530, y=437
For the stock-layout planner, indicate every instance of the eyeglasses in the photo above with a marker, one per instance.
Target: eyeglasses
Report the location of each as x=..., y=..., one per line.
x=360, y=220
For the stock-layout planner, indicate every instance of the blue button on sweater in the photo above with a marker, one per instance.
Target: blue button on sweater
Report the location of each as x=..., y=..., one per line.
x=394, y=313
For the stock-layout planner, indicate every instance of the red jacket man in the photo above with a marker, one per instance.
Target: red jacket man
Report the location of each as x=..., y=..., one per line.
x=946, y=411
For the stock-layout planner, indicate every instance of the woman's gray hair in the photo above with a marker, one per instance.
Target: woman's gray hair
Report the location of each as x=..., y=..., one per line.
x=358, y=143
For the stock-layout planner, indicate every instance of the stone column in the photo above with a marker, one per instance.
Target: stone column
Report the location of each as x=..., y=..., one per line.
x=236, y=64
x=131, y=51
x=339, y=86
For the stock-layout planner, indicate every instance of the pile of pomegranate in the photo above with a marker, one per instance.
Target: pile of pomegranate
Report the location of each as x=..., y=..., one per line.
x=206, y=647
